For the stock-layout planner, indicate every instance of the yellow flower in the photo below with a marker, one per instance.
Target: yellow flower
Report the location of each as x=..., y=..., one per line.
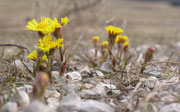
x=95, y=38
x=44, y=58
x=46, y=43
x=33, y=56
x=55, y=23
x=113, y=30
x=104, y=44
x=126, y=44
x=44, y=26
x=121, y=39
x=64, y=21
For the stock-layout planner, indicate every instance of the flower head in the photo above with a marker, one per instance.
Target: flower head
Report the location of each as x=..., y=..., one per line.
x=46, y=43
x=64, y=21
x=95, y=38
x=33, y=56
x=104, y=44
x=44, y=26
x=126, y=44
x=121, y=39
x=113, y=30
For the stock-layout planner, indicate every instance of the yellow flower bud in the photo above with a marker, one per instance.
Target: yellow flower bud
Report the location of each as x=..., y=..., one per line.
x=121, y=39
x=126, y=44
x=95, y=38
x=104, y=44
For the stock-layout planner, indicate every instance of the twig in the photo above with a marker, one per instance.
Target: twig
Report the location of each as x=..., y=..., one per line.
x=157, y=62
x=27, y=67
x=15, y=45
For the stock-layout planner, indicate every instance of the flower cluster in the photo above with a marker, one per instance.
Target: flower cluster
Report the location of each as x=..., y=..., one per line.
x=46, y=44
x=113, y=30
x=114, y=36
x=33, y=56
x=47, y=28
x=46, y=25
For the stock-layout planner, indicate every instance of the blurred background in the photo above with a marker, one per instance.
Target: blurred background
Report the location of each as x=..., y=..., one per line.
x=144, y=21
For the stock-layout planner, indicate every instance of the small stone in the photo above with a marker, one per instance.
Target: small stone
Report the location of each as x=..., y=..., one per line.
x=153, y=73
x=109, y=86
x=52, y=93
x=92, y=52
x=173, y=107
x=9, y=107
x=85, y=70
x=73, y=103
x=74, y=76
x=107, y=66
x=88, y=86
x=70, y=88
x=21, y=66
x=94, y=106
x=23, y=97
x=68, y=103
x=55, y=75
x=149, y=107
x=53, y=103
x=27, y=88
x=99, y=90
x=99, y=73
x=37, y=106
x=151, y=82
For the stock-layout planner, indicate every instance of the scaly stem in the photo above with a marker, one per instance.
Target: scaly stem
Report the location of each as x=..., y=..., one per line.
x=119, y=54
x=95, y=49
x=50, y=63
x=37, y=63
x=61, y=54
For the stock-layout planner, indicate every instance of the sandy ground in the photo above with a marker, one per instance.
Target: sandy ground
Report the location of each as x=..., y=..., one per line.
x=144, y=22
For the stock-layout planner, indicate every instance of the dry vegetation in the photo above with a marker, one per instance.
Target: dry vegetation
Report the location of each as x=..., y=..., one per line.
x=146, y=24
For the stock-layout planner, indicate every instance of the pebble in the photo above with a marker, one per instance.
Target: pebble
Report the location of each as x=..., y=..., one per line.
x=9, y=107
x=74, y=76
x=73, y=103
x=99, y=73
x=173, y=107
x=53, y=103
x=37, y=106
x=98, y=89
x=151, y=82
x=55, y=75
x=107, y=66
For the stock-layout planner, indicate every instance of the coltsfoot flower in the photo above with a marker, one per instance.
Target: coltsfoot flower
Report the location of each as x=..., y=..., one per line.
x=58, y=32
x=95, y=39
x=33, y=56
x=126, y=44
x=44, y=26
x=104, y=44
x=113, y=30
x=64, y=21
x=121, y=39
x=46, y=43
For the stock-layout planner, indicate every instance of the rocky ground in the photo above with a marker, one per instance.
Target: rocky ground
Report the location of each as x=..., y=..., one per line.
x=85, y=88
x=99, y=89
